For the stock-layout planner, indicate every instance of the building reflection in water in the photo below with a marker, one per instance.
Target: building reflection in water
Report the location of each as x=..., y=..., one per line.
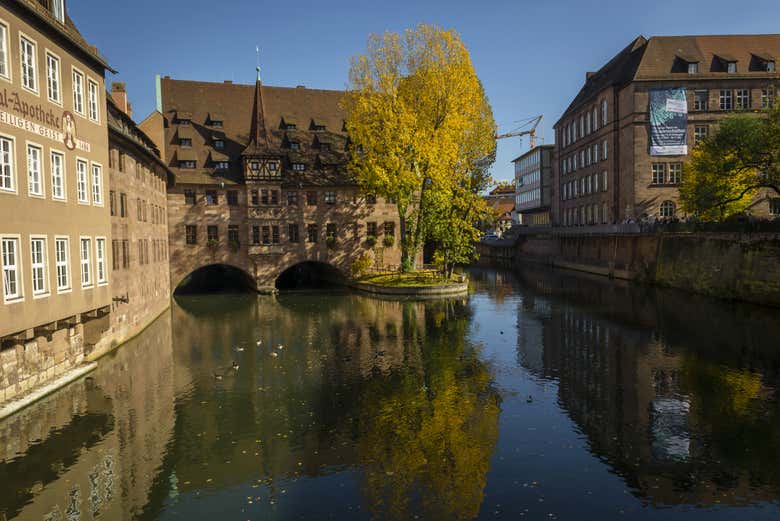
x=675, y=392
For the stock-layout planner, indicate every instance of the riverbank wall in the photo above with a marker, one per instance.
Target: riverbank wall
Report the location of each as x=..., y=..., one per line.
x=737, y=266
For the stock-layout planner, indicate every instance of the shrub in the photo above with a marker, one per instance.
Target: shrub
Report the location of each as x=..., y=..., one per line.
x=330, y=242
x=361, y=265
x=370, y=241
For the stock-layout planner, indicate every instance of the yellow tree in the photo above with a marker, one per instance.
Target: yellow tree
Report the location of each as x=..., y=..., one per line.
x=417, y=118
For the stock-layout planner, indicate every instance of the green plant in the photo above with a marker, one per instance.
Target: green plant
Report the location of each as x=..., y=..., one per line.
x=370, y=241
x=361, y=265
x=212, y=244
x=330, y=242
x=388, y=241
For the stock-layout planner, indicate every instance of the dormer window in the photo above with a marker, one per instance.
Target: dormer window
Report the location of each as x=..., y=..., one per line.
x=693, y=68
x=184, y=122
x=284, y=125
x=325, y=146
x=318, y=128
x=185, y=142
x=222, y=165
x=298, y=167
x=294, y=145
x=731, y=67
x=187, y=164
x=58, y=10
x=219, y=144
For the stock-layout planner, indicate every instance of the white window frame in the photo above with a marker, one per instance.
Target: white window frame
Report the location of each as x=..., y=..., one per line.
x=78, y=94
x=42, y=265
x=58, y=14
x=64, y=195
x=85, y=264
x=11, y=164
x=4, y=51
x=97, y=184
x=604, y=150
x=54, y=79
x=35, y=89
x=93, y=100
x=605, y=182
x=82, y=181
x=41, y=192
x=17, y=266
x=62, y=263
x=604, y=112
x=101, y=266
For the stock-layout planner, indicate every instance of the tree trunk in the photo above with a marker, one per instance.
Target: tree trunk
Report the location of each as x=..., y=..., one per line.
x=418, y=226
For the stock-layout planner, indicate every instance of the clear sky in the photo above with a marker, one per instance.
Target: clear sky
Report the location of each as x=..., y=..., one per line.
x=531, y=56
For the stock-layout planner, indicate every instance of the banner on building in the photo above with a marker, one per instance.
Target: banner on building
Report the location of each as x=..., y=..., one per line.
x=668, y=122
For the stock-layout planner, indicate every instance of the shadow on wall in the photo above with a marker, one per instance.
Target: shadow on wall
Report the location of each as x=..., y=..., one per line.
x=310, y=275
x=216, y=278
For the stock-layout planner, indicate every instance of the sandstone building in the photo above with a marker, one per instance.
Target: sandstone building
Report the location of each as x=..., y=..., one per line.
x=261, y=182
x=606, y=169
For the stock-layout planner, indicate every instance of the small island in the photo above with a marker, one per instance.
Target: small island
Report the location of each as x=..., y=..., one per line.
x=422, y=283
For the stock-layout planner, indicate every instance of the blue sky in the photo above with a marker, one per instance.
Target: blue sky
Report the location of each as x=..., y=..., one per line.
x=531, y=56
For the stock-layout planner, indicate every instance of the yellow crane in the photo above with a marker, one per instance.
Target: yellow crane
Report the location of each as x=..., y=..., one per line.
x=534, y=122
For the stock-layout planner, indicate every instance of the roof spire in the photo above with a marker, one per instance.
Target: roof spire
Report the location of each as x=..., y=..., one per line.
x=257, y=51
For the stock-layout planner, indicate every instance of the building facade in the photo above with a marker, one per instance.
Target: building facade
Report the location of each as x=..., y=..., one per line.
x=607, y=169
x=54, y=225
x=261, y=182
x=138, y=179
x=533, y=181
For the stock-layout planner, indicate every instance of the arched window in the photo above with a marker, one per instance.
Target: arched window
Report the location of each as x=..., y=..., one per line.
x=667, y=209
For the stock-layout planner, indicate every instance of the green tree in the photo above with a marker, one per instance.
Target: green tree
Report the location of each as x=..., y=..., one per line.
x=418, y=121
x=726, y=170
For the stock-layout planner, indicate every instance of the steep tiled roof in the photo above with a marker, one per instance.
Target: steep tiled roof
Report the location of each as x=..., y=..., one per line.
x=246, y=132
x=661, y=57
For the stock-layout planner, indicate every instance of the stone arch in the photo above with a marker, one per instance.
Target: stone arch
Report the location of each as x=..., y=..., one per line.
x=241, y=275
x=326, y=272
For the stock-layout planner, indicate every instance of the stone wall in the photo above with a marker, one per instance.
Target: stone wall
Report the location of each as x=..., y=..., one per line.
x=724, y=265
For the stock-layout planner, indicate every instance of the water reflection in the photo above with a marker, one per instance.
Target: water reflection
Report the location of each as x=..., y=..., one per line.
x=544, y=395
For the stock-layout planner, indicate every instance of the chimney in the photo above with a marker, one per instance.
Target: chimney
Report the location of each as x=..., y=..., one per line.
x=119, y=95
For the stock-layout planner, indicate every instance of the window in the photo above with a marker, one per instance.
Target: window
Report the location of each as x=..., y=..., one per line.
x=12, y=282
x=28, y=57
x=94, y=101
x=211, y=197
x=232, y=198
x=266, y=235
x=39, y=261
x=112, y=202
x=264, y=196
x=311, y=233
x=35, y=179
x=216, y=123
x=97, y=184
x=292, y=198
x=371, y=230
x=330, y=197
x=233, y=234
x=78, y=93
x=292, y=232
x=743, y=98
x=125, y=254
x=330, y=231
x=219, y=144
x=725, y=100
x=185, y=142
x=675, y=173
x=58, y=10
x=589, y=157
x=767, y=97
x=389, y=229
x=582, y=125
x=254, y=165
x=294, y=145
x=212, y=233
x=4, y=66
x=605, y=180
x=298, y=167
x=770, y=66
x=667, y=209
x=693, y=68
x=731, y=67
x=81, y=181
x=187, y=164
x=659, y=173
x=123, y=204
x=700, y=99
x=255, y=235
x=191, y=234
x=53, y=78
x=595, y=152
x=700, y=132
x=604, y=150
x=255, y=198
x=274, y=196
x=100, y=260
x=57, y=176
x=115, y=254
x=311, y=198
x=275, y=234
x=774, y=206
x=189, y=196
x=86, y=262
x=587, y=123
x=595, y=119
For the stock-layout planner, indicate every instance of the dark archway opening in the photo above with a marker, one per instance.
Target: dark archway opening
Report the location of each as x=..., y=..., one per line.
x=310, y=275
x=216, y=278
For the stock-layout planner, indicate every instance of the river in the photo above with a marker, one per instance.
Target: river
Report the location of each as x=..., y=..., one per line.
x=544, y=395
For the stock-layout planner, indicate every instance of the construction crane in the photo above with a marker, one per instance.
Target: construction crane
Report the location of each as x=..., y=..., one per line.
x=534, y=122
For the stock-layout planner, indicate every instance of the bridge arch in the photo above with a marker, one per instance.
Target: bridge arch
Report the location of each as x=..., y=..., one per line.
x=215, y=277
x=309, y=274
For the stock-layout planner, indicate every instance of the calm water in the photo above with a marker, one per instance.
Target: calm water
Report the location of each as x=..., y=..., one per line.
x=543, y=396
